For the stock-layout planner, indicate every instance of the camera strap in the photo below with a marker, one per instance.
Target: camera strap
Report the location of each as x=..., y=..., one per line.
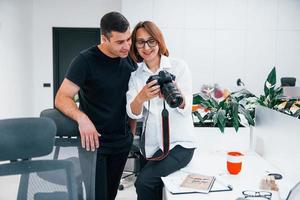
x=165, y=136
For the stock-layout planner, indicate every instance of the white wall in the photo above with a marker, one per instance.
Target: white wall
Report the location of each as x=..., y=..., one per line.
x=26, y=48
x=221, y=41
x=224, y=40
x=16, y=80
x=59, y=13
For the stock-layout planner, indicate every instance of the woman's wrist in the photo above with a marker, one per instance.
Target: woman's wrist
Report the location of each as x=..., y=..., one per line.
x=139, y=99
x=136, y=105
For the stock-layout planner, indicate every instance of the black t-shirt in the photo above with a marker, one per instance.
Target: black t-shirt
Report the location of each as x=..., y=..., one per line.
x=103, y=83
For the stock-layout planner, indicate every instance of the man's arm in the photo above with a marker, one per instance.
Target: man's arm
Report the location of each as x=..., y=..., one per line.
x=65, y=103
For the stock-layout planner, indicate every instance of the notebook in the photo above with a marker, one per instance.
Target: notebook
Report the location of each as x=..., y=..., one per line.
x=198, y=182
x=175, y=181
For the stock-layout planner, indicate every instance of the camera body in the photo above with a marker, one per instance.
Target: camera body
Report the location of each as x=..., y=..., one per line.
x=168, y=89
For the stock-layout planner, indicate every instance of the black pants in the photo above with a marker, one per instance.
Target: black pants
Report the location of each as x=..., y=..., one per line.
x=149, y=184
x=109, y=169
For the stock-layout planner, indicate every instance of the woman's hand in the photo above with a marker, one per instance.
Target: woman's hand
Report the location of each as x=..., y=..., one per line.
x=149, y=91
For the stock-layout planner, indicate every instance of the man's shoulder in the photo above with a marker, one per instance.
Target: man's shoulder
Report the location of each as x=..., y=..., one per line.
x=89, y=51
x=91, y=56
x=132, y=66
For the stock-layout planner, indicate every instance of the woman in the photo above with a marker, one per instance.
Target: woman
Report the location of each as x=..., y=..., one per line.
x=146, y=100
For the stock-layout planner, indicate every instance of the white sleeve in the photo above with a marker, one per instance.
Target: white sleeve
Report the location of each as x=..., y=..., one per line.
x=130, y=96
x=184, y=83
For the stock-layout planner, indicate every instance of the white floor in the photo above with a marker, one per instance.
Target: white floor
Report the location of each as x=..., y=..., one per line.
x=128, y=193
x=10, y=185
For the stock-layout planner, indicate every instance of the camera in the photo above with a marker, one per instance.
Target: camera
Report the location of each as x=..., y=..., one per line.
x=168, y=89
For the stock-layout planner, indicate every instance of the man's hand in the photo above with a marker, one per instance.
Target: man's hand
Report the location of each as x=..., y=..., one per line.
x=88, y=133
x=65, y=103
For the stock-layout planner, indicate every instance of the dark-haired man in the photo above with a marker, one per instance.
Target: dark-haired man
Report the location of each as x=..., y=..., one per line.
x=100, y=76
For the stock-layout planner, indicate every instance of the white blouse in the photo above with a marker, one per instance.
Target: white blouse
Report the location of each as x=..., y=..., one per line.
x=180, y=120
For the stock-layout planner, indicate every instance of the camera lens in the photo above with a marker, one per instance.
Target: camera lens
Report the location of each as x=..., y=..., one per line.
x=172, y=95
x=174, y=101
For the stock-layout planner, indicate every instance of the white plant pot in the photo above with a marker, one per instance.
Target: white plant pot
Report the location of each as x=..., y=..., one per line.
x=211, y=139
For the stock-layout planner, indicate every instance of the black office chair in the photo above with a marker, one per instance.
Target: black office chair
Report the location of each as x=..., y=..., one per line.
x=68, y=136
x=288, y=81
x=26, y=138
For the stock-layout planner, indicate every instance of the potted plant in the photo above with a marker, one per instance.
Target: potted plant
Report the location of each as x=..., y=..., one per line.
x=273, y=97
x=234, y=109
x=237, y=109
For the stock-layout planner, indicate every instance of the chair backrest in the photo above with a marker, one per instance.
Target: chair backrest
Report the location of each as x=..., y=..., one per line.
x=26, y=138
x=65, y=125
x=288, y=81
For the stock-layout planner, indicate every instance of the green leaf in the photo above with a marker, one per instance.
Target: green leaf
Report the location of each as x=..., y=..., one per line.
x=278, y=91
x=215, y=119
x=234, y=115
x=197, y=114
x=198, y=99
x=205, y=101
x=247, y=115
x=242, y=94
x=208, y=116
x=213, y=103
x=220, y=119
x=289, y=104
x=297, y=114
x=270, y=82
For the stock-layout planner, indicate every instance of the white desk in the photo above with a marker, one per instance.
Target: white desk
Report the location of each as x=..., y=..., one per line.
x=214, y=163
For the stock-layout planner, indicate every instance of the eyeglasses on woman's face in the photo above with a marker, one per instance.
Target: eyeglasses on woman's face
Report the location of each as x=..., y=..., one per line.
x=140, y=43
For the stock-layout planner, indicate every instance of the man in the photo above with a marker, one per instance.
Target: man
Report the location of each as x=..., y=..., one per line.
x=100, y=76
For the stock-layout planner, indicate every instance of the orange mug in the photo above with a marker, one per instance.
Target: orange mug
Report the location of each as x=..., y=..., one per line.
x=234, y=162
